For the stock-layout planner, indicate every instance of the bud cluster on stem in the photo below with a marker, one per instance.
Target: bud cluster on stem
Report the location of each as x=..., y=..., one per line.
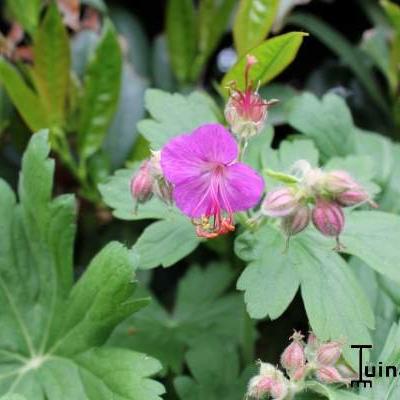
x=316, y=196
x=302, y=362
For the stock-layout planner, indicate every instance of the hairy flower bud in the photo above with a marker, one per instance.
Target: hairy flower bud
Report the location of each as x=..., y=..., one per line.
x=300, y=373
x=336, y=182
x=329, y=374
x=297, y=221
x=352, y=197
x=142, y=183
x=293, y=356
x=329, y=353
x=279, y=202
x=259, y=386
x=246, y=111
x=328, y=217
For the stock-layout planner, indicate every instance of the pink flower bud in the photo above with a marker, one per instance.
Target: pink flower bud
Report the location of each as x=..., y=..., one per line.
x=312, y=341
x=246, y=111
x=329, y=353
x=259, y=386
x=279, y=389
x=142, y=183
x=300, y=373
x=345, y=371
x=336, y=182
x=327, y=374
x=279, y=202
x=328, y=217
x=293, y=357
x=297, y=221
x=352, y=197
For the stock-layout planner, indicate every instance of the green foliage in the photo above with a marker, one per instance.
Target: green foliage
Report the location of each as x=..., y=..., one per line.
x=26, y=13
x=273, y=56
x=53, y=335
x=219, y=380
x=174, y=114
x=253, y=22
x=327, y=284
x=101, y=92
x=203, y=311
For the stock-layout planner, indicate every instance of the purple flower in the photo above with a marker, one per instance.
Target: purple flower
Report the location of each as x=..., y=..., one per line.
x=209, y=185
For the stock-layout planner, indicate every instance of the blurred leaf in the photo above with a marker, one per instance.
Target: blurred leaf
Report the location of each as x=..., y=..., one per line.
x=328, y=122
x=393, y=12
x=83, y=45
x=6, y=109
x=53, y=332
x=23, y=97
x=283, y=93
x=253, y=21
x=116, y=194
x=373, y=237
x=166, y=242
x=272, y=277
x=122, y=132
x=214, y=365
x=181, y=37
x=202, y=309
x=285, y=8
x=131, y=30
x=97, y=4
x=162, y=74
x=350, y=55
x=212, y=23
x=273, y=56
x=100, y=99
x=174, y=114
x=51, y=68
x=25, y=12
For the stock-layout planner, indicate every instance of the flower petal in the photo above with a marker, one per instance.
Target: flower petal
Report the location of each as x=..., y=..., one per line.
x=187, y=156
x=243, y=188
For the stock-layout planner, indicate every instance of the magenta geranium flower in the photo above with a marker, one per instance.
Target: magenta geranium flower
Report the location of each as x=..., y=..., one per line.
x=209, y=184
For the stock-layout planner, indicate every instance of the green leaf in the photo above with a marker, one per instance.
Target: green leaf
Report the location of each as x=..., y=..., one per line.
x=201, y=309
x=253, y=21
x=273, y=56
x=392, y=10
x=23, y=97
x=272, y=277
x=213, y=18
x=174, y=114
x=117, y=195
x=350, y=55
x=123, y=133
x=328, y=122
x=181, y=36
x=166, y=242
x=26, y=13
x=217, y=380
x=373, y=237
x=53, y=332
x=52, y=65
x=101, y=92
x=98, y=4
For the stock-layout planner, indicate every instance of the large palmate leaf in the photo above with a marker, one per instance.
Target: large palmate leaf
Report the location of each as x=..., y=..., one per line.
x=328, y=122
x=174, y=114
x=214, y=365
x=253, y=22
x=101, y=92
x=53, y=332
x=162, y=243
x=273, y=276
x=273, y=56
x=201, y=310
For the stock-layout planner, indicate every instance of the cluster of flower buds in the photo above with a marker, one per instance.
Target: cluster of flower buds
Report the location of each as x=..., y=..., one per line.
x=150, y=180
x=302, y=361
x=246, y=111
x=315, y=196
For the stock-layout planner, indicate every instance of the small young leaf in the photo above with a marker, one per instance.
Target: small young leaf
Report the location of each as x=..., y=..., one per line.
x=253, y=22
x=181, y=36
x=23, y=97
x=273, y=56
x=101, y=92
x=27, y=13
x=51, y=69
